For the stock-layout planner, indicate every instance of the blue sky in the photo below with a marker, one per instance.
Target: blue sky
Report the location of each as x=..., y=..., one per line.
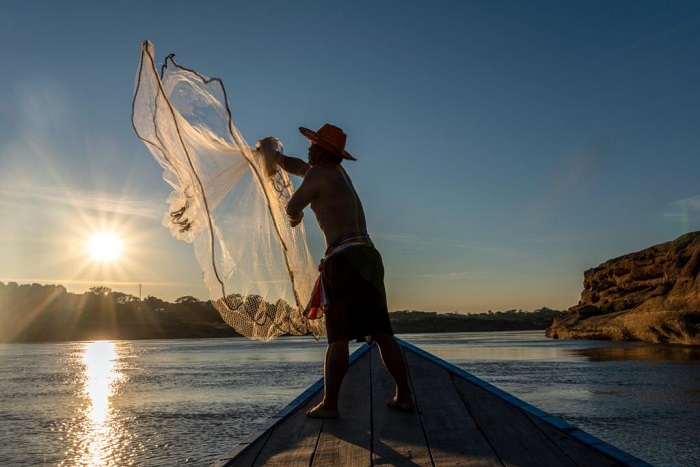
x=503, y=147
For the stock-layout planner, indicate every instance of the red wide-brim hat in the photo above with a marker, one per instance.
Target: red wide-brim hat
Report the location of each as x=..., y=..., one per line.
x=329, y=137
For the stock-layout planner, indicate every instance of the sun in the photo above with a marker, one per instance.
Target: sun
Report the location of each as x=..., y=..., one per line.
x=105, y=247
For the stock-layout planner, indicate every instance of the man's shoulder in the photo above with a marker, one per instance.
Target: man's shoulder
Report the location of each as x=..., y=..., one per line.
x=321, y=172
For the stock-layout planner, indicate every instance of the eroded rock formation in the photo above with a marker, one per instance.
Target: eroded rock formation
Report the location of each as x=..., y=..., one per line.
x=652, y=295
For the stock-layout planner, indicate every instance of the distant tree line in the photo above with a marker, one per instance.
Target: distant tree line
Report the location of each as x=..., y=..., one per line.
x=511, y=320
x=38, y=313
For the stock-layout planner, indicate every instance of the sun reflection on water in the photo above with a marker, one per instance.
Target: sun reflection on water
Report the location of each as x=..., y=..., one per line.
x=101, y=377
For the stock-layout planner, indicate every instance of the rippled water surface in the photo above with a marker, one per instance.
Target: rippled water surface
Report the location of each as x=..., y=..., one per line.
x=158, y=403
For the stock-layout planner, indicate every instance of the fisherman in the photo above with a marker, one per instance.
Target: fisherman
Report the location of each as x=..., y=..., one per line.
x=350, y=289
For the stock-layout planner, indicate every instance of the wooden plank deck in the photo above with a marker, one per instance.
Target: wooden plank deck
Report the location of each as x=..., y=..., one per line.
x=460, y=421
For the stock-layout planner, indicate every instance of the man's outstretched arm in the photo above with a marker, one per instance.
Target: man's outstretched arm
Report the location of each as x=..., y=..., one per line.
x=292, y=165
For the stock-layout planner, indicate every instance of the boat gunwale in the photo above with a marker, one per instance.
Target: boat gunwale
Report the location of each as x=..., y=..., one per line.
x=547, y=418
x=556, y=423
x=242, y=447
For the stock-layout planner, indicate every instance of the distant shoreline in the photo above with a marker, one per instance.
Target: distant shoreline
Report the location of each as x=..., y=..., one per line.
x=49, y=313
x=236, y=336
x=410, y=322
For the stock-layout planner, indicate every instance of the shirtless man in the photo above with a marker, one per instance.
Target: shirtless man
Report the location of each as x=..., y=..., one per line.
x=352, y=270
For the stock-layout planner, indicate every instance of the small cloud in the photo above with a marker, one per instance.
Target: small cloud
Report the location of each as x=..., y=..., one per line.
x=667, y=32
x=101, y=202
x=451, y=275
x=684, y=213
x=682, y=207
x=442, y=245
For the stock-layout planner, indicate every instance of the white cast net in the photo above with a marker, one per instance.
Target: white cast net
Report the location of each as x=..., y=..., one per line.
x=227, y=200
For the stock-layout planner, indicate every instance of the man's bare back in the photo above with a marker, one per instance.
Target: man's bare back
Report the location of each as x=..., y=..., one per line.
x=327, y=188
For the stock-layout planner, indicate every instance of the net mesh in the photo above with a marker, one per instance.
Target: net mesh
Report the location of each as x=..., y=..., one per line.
x=227, y=200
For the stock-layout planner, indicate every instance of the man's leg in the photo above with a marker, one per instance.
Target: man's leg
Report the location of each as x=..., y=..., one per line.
x=336, y=365
x=395, y=363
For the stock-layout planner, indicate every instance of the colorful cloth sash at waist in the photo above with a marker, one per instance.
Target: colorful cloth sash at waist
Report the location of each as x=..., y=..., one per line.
x=319, y=302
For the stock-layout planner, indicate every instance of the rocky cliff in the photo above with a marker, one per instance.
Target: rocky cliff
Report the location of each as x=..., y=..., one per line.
x=652, y=295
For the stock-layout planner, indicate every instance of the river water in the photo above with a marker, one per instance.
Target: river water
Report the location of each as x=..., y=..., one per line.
x=167, y=402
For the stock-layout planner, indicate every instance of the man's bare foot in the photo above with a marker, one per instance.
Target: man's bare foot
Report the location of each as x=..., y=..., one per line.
x=405, y=405
x=321, y=411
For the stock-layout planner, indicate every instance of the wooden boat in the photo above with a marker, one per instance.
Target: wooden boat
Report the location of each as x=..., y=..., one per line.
x=460, y=420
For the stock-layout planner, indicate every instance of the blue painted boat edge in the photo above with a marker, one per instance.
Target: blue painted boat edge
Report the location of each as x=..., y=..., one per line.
x=585, y=438
x=280, y=416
